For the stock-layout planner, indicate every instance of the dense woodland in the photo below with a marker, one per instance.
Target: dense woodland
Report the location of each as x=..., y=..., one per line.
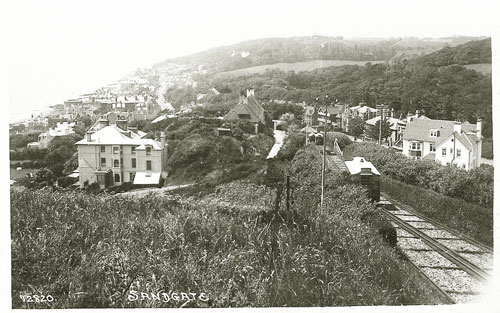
x=296, y=49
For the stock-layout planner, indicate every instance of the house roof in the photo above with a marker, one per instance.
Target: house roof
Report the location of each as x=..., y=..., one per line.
x=358, y=163
x=251, y=107
x=309, y=129
x=460, y=137
x=144, y=178
x=393, y=121
x=419, y=129
x=113, y=135
x=158, y=119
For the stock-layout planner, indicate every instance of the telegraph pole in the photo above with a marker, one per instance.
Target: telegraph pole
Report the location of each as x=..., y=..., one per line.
x=324, y=155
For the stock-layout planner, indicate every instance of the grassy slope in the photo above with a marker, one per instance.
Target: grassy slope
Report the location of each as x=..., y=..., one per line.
x=91, y=251
x=286, y=67
x=484, y=68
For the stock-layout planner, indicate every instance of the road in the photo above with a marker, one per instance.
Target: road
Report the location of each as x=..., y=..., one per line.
x=153, y=190
x=279, y=137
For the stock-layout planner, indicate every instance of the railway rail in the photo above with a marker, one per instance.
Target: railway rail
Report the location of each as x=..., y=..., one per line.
x=456, y=264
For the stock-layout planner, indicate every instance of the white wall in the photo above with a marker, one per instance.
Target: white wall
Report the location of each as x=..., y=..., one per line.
x=450, y=157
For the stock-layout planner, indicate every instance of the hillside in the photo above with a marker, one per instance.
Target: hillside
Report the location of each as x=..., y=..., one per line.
x=299, y=49
x=286, y=67
x=473, y=52
x=441, y=92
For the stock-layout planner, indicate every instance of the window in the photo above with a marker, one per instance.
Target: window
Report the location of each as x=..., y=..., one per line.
x=148, y=165
x=459, y=153
x=132, y=176
x=451, y=150
x=432, y=148
x=103, y=149
x=434, y=133
x=148, y=150
x=463, y=166
x=116, y=150
x=117, y=178
x=116, y=163
x=133, y=163
x=443, y=152
x=415, y=145
x=244, y=116
x=103, y=161
x=133, y=149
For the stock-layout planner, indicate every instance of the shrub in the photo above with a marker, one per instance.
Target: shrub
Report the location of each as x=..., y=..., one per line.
x=384, y=228
x=475, y=186
x=65, y=181
x=467, y=218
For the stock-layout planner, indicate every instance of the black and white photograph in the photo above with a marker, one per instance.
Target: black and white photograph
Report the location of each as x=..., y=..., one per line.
x=250, y=155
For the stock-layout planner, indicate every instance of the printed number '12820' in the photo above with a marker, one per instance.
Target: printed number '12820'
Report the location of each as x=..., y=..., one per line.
x=36, y=298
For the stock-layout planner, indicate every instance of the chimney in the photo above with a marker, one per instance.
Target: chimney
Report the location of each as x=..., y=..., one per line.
x=121, y=123
x=408, y=118
x=479, y=126
x=89, y=136
x=103, y=123
x=162, y=137
x=392, y=113
x=133, y=129
x=457, y=127
x=417, y=114
x=250, y=93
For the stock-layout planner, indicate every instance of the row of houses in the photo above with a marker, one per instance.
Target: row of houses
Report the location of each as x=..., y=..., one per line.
x=417, y=136
x=113, y=153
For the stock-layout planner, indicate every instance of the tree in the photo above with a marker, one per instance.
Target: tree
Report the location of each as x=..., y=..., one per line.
x=356, y=127
x=373, y=132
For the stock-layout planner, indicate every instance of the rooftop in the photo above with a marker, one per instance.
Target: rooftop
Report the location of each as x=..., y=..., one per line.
x=419, y=129
x=359, y=163
x=113, y=135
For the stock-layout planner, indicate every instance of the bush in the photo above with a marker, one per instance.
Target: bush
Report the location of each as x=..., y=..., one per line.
x=384, y=228
x=65, y=181
x=469, y=219
x=475, y=186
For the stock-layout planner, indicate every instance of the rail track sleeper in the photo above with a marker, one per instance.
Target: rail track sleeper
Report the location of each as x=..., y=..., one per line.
x=402, y=206
x=469, y=267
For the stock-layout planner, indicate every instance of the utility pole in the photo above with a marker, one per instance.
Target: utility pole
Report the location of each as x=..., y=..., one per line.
x=324, y=156
x=380, y=130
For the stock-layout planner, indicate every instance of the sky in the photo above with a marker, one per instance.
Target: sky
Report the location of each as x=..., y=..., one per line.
x=59, y=49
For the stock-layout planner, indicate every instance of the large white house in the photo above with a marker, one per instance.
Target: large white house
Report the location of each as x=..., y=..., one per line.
x=114, y=155
x=445, y=142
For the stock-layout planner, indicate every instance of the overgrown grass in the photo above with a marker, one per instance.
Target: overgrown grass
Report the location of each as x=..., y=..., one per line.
x=91, y=251
x=96, y=250
x=467, y=218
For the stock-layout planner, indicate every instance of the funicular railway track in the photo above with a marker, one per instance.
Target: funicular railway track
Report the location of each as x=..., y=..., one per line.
x=457, y=265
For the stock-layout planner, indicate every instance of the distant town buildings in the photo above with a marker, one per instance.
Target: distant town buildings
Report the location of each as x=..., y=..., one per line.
x=61, y=129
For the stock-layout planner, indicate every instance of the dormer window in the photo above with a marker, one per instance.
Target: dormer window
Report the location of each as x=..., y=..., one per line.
x=148, y=150
x=434, y=133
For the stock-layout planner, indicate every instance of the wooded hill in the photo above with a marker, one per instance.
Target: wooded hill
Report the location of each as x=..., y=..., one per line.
x=296, y=49
x=434, y=84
